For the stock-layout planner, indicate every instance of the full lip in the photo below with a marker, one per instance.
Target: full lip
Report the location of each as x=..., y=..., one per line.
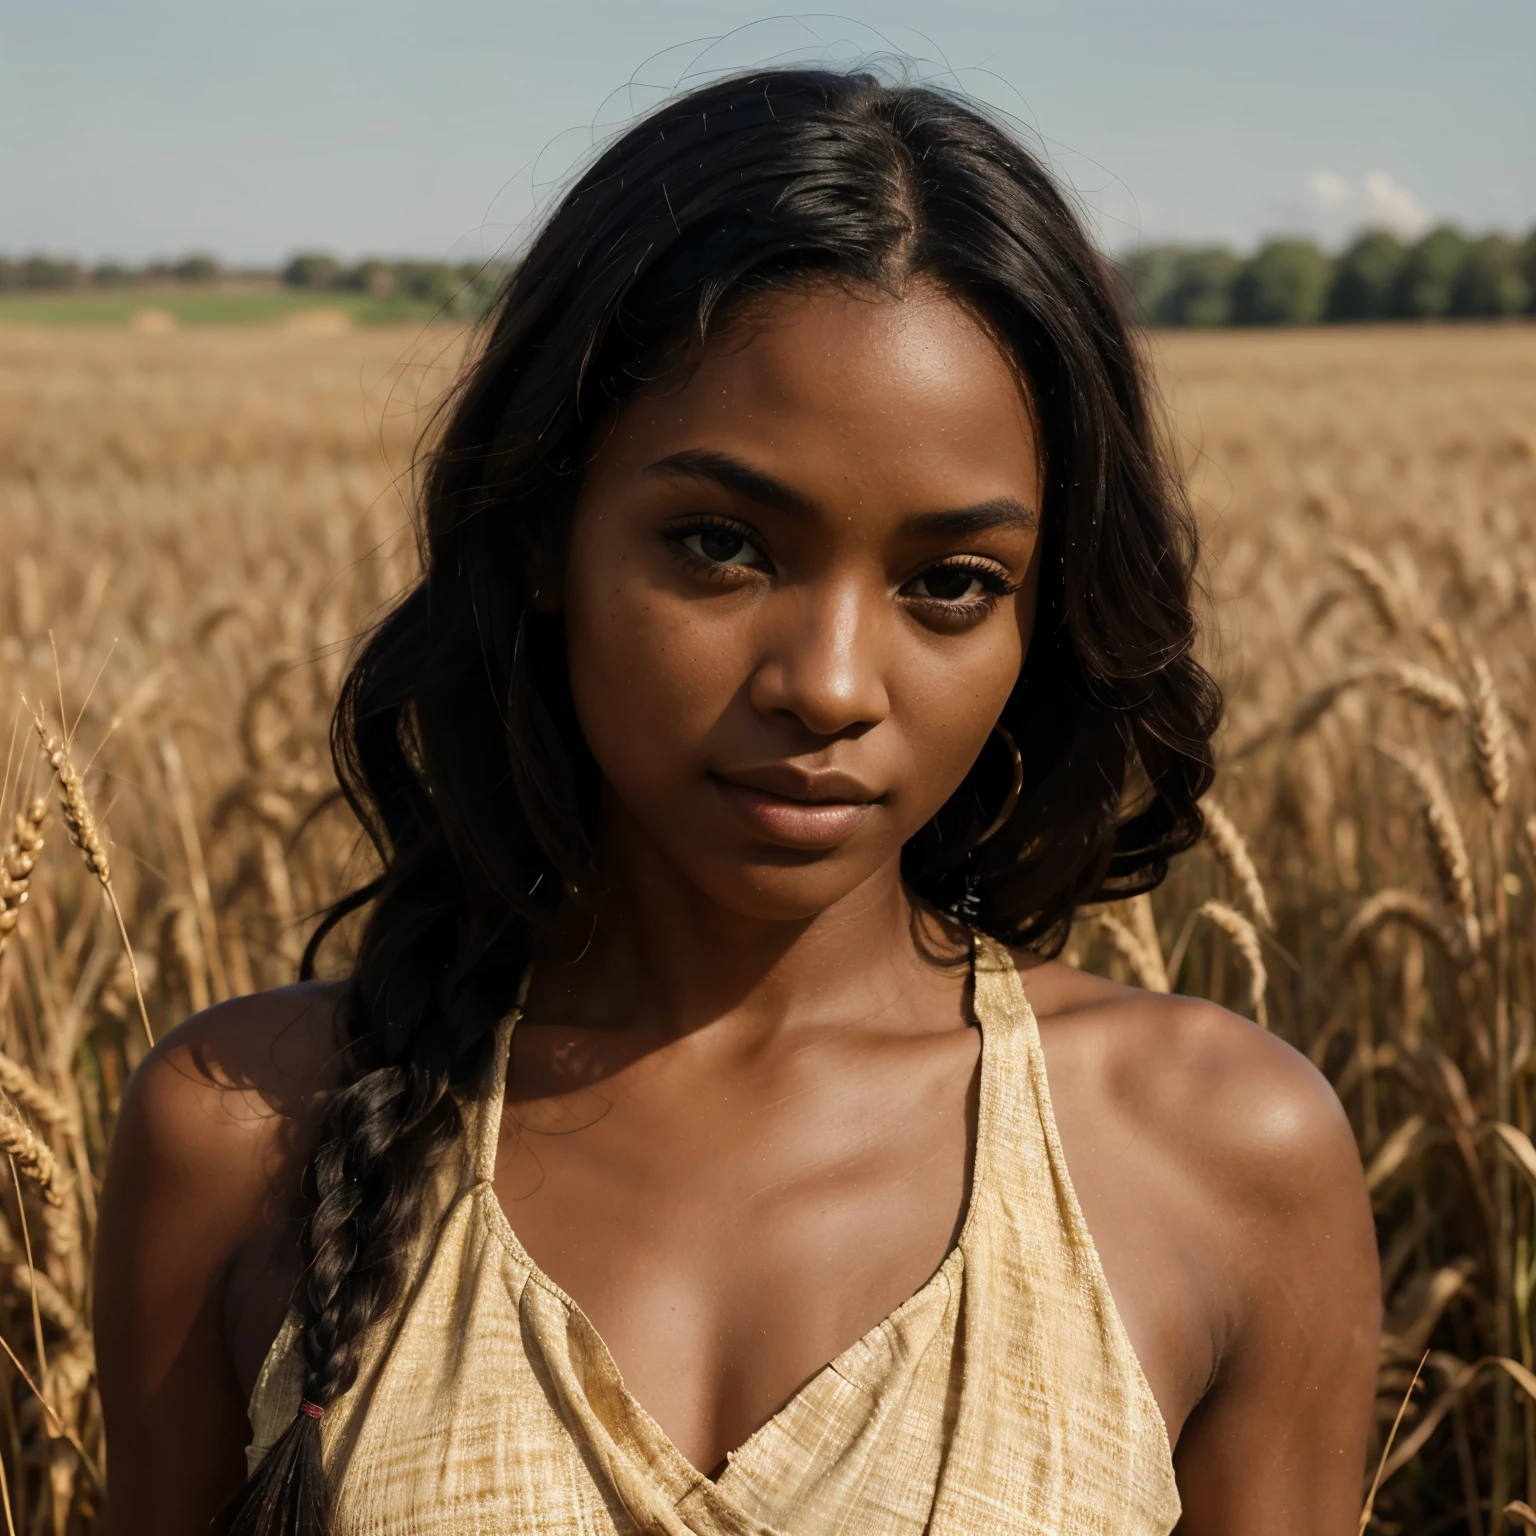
x=797, y=807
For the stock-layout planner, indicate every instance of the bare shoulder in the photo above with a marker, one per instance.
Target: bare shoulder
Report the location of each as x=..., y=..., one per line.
x=1207, y=1086
x=234, y=1083
x=1219, y=1176
x=216, y=1125
x=195, y=1242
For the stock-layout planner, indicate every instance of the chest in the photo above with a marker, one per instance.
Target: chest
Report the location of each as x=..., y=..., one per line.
x=730, y=1227
x=999, y=1396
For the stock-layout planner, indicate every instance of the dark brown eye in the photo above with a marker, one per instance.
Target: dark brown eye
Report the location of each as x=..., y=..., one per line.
x=723, y=546
x=950, y=584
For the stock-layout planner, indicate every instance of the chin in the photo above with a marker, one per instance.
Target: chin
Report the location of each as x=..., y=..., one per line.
x=781, y=892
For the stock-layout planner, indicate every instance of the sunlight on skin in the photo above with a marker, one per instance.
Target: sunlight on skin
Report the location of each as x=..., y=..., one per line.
x=797, y=591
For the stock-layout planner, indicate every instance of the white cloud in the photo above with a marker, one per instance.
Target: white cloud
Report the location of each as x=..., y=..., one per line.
x=1393, y=206
x=1327, y=189
x=1336, y=206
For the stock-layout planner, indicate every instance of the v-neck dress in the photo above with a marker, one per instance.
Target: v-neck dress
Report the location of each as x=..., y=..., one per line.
x=1002, y=1399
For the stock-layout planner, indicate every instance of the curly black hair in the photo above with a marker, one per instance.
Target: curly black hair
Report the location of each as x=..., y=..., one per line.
x=455, y=739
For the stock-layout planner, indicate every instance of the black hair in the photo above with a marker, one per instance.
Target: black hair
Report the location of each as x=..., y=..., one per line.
x=455, y=739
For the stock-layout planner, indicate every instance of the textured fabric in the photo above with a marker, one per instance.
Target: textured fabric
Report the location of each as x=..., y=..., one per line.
x=1002, y=1399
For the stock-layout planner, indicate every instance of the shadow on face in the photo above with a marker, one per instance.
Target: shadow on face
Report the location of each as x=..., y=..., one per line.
x=798, y=591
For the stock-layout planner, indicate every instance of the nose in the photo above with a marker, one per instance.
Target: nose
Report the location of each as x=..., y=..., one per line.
x=824, y=659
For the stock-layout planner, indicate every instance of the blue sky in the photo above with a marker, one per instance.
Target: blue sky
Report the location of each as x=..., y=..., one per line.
x=399, y=127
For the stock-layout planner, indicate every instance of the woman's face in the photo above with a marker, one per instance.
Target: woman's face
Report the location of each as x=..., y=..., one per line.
x=799, y=588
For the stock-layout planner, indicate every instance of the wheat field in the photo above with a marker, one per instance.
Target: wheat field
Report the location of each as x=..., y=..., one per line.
x=196, y=523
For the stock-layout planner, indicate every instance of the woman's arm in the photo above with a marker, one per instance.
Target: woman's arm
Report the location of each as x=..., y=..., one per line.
x=203, y=1175
x=1276, y=1447
x=1221, y=1183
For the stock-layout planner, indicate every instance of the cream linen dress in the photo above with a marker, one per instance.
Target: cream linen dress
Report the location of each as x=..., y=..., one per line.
x=1002, y=1399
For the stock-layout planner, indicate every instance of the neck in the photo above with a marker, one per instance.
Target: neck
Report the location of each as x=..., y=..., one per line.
x=647, y=948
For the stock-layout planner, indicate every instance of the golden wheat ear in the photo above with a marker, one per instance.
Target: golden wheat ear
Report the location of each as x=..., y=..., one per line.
x=78, y=816
x=1490, y=735
x=1447, y=844
x=85, y=834
x=1233, y=852
x=1375, y=583
x=20, y=859
x=1427, y=687
x=1245, y=939
x=40, y=1101
x=33, y=1158
x=1146, y=963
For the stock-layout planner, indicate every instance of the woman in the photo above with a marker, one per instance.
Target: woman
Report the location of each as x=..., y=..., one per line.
x=805, y=618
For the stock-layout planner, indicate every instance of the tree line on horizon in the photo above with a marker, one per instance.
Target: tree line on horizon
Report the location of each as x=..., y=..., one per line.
x=39, y=273
x=456, y=290
x=1443, y=275
x=1378, y=277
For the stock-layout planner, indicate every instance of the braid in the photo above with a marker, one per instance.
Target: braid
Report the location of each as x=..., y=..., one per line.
x=386, y=1130
x=383, y=1134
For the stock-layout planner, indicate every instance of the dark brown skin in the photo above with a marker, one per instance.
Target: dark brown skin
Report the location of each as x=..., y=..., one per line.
x=741, y=1112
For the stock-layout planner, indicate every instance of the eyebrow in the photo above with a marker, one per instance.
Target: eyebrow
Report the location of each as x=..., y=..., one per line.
x=703, y=464
x=1000, y=512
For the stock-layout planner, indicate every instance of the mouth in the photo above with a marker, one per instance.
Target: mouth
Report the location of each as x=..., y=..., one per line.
x=795, y=808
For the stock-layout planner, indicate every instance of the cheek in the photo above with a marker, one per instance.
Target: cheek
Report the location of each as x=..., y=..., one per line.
x=661, y=681
x=948, y=704
x=649, y=675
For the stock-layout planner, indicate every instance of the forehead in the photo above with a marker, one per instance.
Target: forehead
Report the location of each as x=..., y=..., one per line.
x=844, y=395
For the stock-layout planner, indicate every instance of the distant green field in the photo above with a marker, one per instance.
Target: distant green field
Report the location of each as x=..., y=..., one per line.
x=215, y=306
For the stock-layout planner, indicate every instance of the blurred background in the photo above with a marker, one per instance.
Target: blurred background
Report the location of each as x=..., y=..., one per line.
x=242, y=251
x=201, y=145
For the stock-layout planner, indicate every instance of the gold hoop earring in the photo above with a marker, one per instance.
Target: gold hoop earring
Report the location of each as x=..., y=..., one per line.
x=1015, y=789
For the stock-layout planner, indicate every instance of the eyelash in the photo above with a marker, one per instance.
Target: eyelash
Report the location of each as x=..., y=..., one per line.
x=678, y=536
x=997, y=586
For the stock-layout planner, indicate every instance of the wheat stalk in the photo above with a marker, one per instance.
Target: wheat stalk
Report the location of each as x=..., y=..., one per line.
x=52, y=1303
x=1147, y=967
x=56, y=1424
x=1448, y=847
x=1490, y=735
x=1428, y=687
x=66, y=993
x=41, y=1102
x=1394, y=905
x=1443, y=638
x=1422, y=684
x=1321, y=699
x=1319, y=609
x=20, y=859
x=1369, y=1506
x=1143, y=923
x=115, y=997
x=197, y=871
x=78, y=816
x=1245, y=939
x=1374, y=582
x=26, y=1238
x=1233, y=853
x=33, y=1157
x=181, y=952
x=61, y=1222
x=86, y=836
